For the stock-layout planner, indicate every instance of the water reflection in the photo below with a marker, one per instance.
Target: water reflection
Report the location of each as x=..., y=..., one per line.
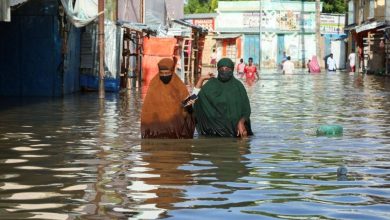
x=81, y=158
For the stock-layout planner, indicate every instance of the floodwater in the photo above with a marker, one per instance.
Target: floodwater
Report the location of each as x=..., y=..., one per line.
x=78, y=158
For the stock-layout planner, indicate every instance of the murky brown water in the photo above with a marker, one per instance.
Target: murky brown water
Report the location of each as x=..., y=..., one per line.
x=77, y=158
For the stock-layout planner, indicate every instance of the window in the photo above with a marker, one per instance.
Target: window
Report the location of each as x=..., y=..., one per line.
x=372, y=9
x=361, y=10
x=231, y=49
x=351, y=12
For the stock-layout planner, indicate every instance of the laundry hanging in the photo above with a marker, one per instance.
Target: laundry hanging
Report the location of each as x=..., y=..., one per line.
x=83, y=12
x=5, y=10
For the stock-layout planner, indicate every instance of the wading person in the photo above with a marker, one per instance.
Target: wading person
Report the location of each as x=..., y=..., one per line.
x=163, y=115
x=352, y=58
x=331, y=63
x=313, y=66
x=288, y=66
x=222, y=107
x=240, y=68
x=250, y=70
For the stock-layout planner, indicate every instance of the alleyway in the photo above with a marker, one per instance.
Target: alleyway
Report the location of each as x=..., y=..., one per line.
x=78, y=158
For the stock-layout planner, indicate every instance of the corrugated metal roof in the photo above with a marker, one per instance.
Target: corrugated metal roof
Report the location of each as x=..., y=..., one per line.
x=185, y=23
x=370, y=25
x=153, y=29
x=17, y=2
x=227, y=36
x=201, y=16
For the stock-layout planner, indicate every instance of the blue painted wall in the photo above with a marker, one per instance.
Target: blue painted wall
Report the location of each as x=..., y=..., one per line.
x=31, y=63
x=281, y=48
x=251, y=48
x=71, y=76
x=328, y=38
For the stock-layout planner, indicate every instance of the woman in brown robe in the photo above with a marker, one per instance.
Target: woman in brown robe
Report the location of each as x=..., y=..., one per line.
x=162, y=113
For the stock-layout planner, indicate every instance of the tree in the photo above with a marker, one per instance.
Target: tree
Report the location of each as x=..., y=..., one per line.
x=197, y=6
x=334, y=6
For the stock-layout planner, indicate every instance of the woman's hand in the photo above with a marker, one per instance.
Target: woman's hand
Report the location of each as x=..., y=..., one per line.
x=203, y=78
x=241, y=129
x=208, y=76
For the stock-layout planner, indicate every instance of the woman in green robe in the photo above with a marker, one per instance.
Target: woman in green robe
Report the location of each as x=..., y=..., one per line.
x=222, y=108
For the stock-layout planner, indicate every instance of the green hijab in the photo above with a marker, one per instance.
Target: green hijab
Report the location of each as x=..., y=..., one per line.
x=225, y=76
x=220, y=106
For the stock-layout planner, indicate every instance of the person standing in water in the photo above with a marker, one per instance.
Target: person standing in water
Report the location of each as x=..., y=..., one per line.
x=162, y=114
x=222, y=108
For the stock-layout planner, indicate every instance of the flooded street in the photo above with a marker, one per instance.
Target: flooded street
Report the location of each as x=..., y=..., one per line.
x=78, y=158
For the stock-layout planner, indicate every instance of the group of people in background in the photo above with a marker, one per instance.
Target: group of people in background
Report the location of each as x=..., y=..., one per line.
x=248, y=71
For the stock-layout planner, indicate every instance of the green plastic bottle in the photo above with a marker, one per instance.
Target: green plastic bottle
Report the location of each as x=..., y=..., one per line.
x=330, y=130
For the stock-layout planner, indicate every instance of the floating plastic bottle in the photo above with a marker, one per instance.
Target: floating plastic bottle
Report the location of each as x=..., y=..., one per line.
x=330, y=130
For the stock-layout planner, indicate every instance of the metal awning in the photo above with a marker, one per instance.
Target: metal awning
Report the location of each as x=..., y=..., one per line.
x=369, y=26
x=227, y=36
x=350, y=27
x=140, y=27
x=185, y=23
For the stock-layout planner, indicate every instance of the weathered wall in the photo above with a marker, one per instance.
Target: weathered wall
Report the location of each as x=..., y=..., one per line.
x=129, y=10
x=31, y=62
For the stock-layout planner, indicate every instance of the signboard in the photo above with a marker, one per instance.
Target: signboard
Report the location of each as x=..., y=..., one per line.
x=207, y=23
x=280, y=20
x=332, y=24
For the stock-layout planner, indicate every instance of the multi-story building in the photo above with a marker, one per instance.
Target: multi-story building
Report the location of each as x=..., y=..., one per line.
x=369, y=25
x=286, y=27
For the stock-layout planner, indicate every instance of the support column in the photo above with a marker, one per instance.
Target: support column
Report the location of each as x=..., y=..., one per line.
x=101, y=49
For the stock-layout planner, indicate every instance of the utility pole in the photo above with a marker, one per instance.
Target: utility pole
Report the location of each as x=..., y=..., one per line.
x=318, y=30
x=259, y=34
x=101, y=49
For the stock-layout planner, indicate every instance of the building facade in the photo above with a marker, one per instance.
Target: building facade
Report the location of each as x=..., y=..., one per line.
x=286, y=27
x=368, y=24
x=206, y=21
x=333, y=39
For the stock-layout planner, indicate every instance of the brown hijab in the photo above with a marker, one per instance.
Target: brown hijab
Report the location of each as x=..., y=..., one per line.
x=162, y=115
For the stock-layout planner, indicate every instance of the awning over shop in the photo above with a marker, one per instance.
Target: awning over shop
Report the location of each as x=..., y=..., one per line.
x=350, y=27
x=140, y=27
x=369, y=26
x=227, y=36
x=195, y=27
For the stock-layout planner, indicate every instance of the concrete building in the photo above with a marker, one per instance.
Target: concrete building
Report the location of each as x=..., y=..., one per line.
x=286, y=26
x=369, y=25
x=333, y=39
x=206, y=21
